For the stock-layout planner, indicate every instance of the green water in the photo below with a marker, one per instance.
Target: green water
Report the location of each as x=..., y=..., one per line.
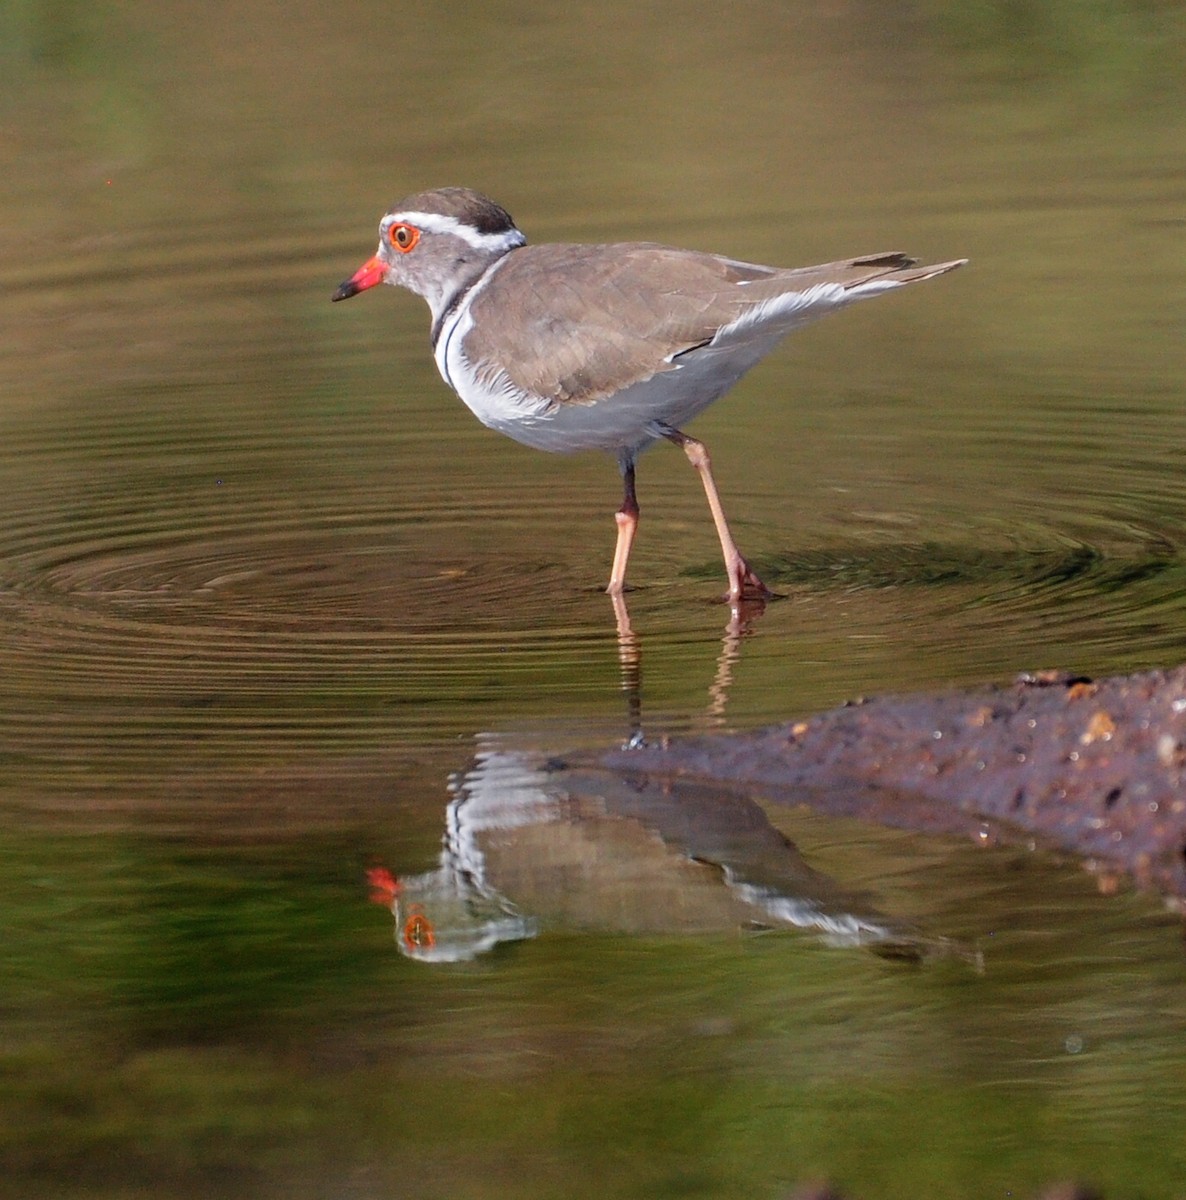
x=272, y=603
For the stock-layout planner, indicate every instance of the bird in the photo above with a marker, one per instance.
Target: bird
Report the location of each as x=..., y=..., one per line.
x=613, y=347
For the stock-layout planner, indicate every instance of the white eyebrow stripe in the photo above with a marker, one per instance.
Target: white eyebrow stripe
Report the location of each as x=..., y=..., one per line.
x=505, y=239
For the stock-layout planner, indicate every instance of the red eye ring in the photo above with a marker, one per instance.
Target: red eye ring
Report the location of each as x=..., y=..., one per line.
x=418, y=931
x=403, y=237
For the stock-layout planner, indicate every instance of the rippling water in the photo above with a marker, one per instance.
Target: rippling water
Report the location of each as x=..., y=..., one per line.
x=278, y=618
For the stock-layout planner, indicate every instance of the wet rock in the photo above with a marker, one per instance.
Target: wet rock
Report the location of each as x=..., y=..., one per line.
x=1058, y=1191
x=1095, y=767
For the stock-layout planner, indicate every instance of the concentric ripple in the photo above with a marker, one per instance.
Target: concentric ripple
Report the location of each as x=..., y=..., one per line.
x=190, y=620
x=158, y=613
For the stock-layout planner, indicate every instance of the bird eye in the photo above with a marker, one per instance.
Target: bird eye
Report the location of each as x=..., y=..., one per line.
x=403, y=237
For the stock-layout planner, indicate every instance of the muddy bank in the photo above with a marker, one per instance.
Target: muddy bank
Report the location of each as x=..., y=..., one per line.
x=1095, y=767
x=1058, y=1191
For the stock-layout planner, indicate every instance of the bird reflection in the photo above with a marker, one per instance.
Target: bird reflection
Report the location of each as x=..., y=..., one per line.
x=533, y=843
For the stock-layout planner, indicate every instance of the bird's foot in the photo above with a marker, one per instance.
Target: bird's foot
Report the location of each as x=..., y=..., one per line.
x=747, y=588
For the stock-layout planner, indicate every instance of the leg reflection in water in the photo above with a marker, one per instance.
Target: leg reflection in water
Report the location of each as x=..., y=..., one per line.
x=742, y=617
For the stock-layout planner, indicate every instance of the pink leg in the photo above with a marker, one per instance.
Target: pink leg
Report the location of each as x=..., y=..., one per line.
x=743, y=583
x=627, y=519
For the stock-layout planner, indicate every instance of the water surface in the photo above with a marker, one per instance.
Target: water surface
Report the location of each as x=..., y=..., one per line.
x=272, y=603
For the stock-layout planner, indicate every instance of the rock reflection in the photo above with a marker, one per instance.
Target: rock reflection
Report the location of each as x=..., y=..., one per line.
x=530, y=845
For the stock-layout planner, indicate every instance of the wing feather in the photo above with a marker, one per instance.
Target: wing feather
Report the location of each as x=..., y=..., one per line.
x=570, y=324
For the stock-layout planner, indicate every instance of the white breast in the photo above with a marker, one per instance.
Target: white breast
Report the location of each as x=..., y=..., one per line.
x=612, y=423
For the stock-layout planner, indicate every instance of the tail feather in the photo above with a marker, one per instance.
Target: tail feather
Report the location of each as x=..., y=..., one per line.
x=792, y=298
x=908, y=271
x=889, y=267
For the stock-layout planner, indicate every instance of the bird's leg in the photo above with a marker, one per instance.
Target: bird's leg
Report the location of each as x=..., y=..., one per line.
x=743, y=583
x=627, y=519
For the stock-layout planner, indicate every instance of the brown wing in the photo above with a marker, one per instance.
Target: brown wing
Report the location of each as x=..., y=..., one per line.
x=571, y=323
